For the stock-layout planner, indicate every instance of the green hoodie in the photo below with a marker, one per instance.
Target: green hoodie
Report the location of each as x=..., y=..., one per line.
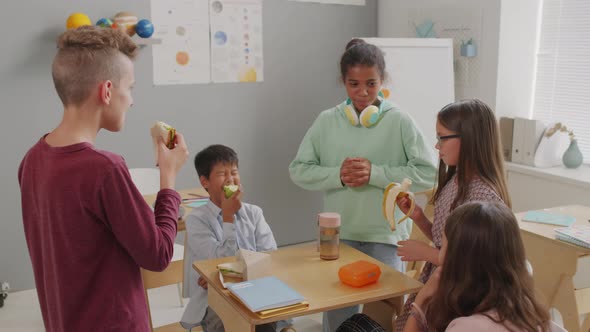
x=394, y=146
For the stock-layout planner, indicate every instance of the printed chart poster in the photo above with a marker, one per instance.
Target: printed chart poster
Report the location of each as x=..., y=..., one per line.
x=183, y=55
x=236, y=40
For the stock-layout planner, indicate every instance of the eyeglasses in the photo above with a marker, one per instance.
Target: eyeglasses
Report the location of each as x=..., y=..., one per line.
x=439, y=139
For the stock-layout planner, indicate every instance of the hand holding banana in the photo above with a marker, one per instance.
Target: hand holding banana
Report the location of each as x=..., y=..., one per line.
x=392, y=193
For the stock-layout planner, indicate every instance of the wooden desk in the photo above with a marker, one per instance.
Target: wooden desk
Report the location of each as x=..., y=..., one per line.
x=317, y=280
x=184, y=193
x=554, y=265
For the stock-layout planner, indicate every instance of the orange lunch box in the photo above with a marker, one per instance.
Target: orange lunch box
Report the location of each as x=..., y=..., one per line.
x=359, y=273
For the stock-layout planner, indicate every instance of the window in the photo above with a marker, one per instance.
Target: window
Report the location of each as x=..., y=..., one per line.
x=562, y=82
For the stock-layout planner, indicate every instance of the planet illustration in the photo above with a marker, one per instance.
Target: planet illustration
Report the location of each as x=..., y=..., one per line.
x=247, y=74
x=182, y=58
x=220, y=38
x=217, y=7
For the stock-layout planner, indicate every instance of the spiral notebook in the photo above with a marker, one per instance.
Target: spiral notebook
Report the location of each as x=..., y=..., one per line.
x=578, y=235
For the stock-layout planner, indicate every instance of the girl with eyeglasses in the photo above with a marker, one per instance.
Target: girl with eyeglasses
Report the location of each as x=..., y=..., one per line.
x=471, y=168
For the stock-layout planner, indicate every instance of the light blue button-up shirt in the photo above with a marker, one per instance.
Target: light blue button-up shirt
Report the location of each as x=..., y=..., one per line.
x=209, y=237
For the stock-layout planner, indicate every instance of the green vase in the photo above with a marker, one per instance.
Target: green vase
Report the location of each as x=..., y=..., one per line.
x=572, y=158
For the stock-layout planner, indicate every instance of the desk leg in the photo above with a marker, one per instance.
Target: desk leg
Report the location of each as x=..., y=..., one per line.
x=553, y=269
x=232, y=321
x=383, y=311
x=586, y=324
x=565, y=302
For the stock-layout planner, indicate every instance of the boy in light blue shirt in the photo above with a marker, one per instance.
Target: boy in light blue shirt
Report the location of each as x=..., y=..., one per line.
x=218, y=229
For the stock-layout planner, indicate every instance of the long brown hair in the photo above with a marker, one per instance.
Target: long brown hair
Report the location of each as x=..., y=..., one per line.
x=484, y=269
x=480, y=154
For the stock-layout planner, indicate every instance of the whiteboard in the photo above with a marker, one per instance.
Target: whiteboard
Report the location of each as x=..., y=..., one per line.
x=420, y=77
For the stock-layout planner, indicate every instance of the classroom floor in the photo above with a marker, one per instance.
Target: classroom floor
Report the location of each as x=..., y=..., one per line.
x=21, y=311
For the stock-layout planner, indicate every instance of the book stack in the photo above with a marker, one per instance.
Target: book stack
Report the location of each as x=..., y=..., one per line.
x=268, y=297
x=578, y=235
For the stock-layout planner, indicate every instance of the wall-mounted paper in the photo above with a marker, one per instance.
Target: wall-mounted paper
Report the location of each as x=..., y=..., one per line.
x=236, y=41
x=183, y=56
x=337, y=2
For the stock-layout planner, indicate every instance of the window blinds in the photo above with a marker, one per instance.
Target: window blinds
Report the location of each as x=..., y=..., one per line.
x=562, y=83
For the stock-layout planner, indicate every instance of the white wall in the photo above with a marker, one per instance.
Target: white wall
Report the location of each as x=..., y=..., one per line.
x=516, y=65
x=393, y=22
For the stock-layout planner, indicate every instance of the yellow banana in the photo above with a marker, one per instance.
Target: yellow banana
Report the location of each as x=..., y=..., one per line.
x=392, y=192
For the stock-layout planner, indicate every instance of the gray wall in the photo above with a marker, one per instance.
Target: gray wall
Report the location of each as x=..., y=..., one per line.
x=264, y=121
x=485, y=74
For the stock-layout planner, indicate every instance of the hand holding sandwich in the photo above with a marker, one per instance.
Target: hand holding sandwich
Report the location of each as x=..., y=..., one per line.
x=231, y=205
x=171, y=153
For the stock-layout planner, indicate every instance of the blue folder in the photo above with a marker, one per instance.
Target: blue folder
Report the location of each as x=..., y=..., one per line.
x=544, y=217
x=265, y=293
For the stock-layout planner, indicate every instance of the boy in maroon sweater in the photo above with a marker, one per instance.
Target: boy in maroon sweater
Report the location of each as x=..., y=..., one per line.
x=87, y=227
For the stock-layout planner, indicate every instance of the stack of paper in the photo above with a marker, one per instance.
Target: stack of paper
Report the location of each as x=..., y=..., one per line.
x=268, y=296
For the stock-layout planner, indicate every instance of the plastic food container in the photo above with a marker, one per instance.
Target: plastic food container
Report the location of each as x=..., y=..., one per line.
x=359, y=273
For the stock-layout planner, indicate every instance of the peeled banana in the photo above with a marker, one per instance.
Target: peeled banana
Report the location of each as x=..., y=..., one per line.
x=390, y=196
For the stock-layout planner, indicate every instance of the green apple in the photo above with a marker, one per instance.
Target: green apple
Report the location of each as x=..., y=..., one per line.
x=230, y=190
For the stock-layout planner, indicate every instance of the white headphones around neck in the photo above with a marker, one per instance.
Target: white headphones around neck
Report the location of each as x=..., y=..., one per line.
x=368, y=117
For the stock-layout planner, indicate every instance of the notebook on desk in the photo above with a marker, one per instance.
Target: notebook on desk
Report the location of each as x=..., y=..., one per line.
x=544, y=217
x=266, y=293
x=578, y=235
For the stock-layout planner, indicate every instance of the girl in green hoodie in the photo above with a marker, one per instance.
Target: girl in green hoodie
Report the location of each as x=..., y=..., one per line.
x=353, y=151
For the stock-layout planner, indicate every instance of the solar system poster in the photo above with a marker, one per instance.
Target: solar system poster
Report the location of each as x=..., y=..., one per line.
x=206, y=41
x=183, y=56
x=236, y=41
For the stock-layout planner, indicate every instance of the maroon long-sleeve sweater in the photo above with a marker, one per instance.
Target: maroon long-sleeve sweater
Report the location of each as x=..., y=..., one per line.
x=89, y=230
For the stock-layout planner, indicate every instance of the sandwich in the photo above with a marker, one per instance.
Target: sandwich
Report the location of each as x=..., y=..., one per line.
x=166, y=131
x=232, y=270
x=229, y=190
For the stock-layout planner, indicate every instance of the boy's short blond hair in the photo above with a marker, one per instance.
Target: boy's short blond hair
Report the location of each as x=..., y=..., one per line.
x=87, y=56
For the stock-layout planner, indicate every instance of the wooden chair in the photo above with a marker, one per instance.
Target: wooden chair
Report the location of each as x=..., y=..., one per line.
x=384, y=312
x=173, y=274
